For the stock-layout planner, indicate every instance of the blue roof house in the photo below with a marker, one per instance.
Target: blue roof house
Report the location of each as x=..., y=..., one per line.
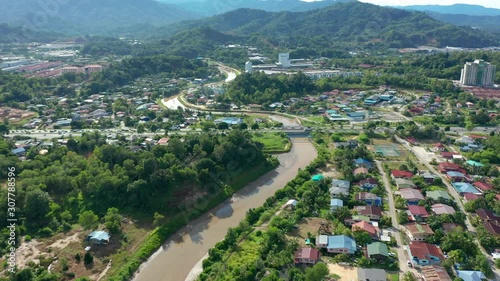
x=469, y=275
x=98, y=237
x=335, y=204
x=361, y=162
x=341, y=244
x=19, y=151
x=465, y=187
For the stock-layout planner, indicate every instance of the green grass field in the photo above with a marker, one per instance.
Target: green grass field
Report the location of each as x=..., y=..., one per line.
x=273, y=142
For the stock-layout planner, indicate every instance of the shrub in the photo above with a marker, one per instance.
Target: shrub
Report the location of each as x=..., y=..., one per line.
x=27, y=238
x=88, y=258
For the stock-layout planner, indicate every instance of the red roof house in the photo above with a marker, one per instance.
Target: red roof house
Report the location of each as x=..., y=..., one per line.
x=395, y=174
x=439, y=147
x=471, y=196
x=366, y=226
x=422, y=253
x=417, y=213
x=307, y=256
x=492, y=228
x=487, y=215
x=448, y=167
x=483, y=186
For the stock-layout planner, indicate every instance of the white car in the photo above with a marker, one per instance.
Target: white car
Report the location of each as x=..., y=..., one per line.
x=495, y=256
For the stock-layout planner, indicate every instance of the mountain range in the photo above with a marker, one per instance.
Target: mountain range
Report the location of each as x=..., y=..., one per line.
x=215, y=7
x=355, y=23
x=461, y=9
x=90, y=16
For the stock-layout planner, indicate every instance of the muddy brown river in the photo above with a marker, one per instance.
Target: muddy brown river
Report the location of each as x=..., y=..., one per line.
x=180, y=257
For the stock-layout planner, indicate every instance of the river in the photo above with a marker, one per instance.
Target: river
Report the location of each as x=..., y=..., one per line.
x=179, y=258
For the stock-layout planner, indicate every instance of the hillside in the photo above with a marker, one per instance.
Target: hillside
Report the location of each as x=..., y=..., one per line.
x=215, y=7
x=462, y=9
x=347, y=23
x=10, y=34
x=91, y=16
x=489, y=23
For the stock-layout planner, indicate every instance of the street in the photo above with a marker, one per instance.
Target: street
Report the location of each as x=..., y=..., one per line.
x=456, y=197
x=402, y=257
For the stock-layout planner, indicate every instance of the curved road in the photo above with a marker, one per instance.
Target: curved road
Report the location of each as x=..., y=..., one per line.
x=181, y=254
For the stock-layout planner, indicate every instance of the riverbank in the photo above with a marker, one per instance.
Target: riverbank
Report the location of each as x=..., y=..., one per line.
x=184, y=249
x=153, y=243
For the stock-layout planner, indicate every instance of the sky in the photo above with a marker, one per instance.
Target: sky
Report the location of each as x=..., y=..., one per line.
x=485, y=3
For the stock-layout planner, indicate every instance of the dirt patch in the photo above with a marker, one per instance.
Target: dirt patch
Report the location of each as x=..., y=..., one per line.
x=28, y=251
x=314, y=226
x=63, y=243
x=346, y=273
x=330, y=171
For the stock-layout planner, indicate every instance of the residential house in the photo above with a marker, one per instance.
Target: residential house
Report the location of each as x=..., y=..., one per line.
x=474, y=163
x=360, y=171
x=412, y=196
x=465, y=187
x=482, y=186
x=448, y=167
x=469, y=275
x=492, y=228
x=422, y=253
x=442, y=209
x=471, y=196
x=322, y=241
x=371, y=274
x=438, y=195
x=487, y=216
x=368, y=227
x=438, y=147
x=368, y=183
x=372, y=212
x=448, y=154
x=377, y=250
x=99, y=237
x=404, y=183
x=369, y=198
x=347, y=144
x=340, y=187
x=395, y=174
x=341, y=244
x=292, y=203
x=354, y=219
x=21, y=151
x=163, y=141
x=336, y=204
x=307, y=256
x=428, y=176
x=435, y=273
x=456, y=176
x=361, y=162
x=418, y=232
x=417, y=213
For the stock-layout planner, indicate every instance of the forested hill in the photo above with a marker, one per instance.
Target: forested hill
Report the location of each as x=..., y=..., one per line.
x=356, y=23
x=215, y=7
x=11, y=34
x=90, y=16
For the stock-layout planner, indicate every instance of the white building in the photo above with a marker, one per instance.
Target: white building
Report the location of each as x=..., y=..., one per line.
x=477, y=73
x=248, y=67
x=284, y=59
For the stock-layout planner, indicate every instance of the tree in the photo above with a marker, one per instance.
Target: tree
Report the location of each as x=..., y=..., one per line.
x=222, y=126
x=409, y=277
x=154, y=128
x=88, y=220
x=88, y=258
x=157, y=218
x=317, y=272
x=140, y=129
x=113, y=220
x=25, y=274
x=243, y=126
x=37, y=205
x=255, y=126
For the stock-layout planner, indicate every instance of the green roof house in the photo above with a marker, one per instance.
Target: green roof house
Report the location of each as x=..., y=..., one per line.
x=377, y=250
x=317, y=177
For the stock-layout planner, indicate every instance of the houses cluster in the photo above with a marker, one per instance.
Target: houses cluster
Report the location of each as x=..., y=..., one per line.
x=425, y=104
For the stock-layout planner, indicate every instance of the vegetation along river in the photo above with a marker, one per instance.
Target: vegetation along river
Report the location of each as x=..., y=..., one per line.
x=180, y=256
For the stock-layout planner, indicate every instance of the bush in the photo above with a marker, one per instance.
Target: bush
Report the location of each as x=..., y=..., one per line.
x=88, y=258
x=27, y=238
x=45, y=232
x=78, y=257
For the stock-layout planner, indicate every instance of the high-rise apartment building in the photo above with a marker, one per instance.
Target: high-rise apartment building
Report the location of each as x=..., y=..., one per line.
x=478, y=73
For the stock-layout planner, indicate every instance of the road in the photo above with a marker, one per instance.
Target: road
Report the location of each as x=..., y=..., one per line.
x=402, y=256
x=456, y=197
